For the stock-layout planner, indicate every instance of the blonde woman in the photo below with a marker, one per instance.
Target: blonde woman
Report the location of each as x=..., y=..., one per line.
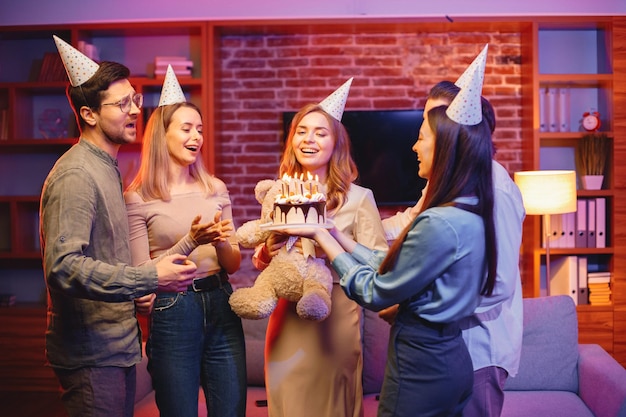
x=314, y=368
x=195, y=339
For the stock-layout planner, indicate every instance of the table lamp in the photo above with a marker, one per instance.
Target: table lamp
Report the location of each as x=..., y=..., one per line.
x=547, y=192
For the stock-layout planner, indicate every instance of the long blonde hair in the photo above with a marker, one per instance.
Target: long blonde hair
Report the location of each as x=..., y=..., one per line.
x=151, y=181
x=341, y=170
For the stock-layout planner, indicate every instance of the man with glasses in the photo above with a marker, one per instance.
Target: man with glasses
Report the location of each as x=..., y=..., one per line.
x=93, y=339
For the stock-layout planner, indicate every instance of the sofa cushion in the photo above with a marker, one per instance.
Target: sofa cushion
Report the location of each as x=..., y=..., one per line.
x=550, y=346
x=544, y=403
x=375, y=335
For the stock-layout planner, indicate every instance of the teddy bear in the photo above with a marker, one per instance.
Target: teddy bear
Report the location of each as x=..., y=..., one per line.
x=306, y=281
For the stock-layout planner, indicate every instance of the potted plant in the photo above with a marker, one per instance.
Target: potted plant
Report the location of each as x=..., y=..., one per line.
x=591, y=156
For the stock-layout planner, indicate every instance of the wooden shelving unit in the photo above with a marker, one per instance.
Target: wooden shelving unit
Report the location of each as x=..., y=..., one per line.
x=29, y=151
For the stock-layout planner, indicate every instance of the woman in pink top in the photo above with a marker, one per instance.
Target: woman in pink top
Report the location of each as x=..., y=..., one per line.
x=195, y=338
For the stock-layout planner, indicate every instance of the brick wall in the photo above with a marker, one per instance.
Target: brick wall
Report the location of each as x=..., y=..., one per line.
x=261, y=76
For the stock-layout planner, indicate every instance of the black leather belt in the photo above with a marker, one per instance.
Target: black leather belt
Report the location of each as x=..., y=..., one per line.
x=208, y=283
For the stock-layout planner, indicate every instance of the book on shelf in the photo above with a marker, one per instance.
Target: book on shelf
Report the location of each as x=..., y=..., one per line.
x=181, y=65
x=4, y=124
x=599, y=288
x=160, y=59
x=90, y=50
x=52, y=68
x=179, y=73
x=176, y=65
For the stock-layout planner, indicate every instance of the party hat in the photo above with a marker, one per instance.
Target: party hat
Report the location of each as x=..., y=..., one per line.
x=464, y=79
x=171, y=93
x=78, y=66
x=336, y=102
x=466, y=108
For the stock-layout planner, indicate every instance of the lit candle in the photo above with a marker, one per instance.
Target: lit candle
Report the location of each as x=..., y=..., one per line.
x=285, y=185
x=310, y=182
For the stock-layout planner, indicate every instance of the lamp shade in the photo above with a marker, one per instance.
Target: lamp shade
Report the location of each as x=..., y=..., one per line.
x=548, y=191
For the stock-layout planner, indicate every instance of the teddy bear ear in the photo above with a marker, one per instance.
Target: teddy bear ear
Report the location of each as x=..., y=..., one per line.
x=261, y=189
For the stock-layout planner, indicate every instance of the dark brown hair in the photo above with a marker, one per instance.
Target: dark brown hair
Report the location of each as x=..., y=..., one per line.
x=91, y=92
x=462, y=166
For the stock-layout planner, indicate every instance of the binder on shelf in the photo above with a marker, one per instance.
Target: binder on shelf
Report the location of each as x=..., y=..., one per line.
x=583, y=295
x=581, y=223
x=555, y=234
x=600, y=222
x=564, y=276
x=552, y=113
x=542, y=111
x=569, y=227
x=564, y=118
x=591, y=223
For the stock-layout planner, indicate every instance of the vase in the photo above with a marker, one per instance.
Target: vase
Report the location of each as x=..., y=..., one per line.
x=592, y=182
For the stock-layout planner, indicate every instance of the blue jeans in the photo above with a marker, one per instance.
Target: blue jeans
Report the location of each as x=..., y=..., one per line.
x=98, y=391
x=196, y=339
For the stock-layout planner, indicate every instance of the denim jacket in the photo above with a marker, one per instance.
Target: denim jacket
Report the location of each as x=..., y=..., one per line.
x=439, y=271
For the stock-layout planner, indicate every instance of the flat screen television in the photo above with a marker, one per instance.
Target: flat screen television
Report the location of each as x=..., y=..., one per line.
x=381, y=147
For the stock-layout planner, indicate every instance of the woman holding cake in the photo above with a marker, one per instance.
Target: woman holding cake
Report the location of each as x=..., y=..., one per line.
x=314, y=368
x=437, y=268
x=195, y=339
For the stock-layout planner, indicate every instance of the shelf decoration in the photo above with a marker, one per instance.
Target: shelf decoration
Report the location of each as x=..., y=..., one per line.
x=52, y=124
x=181, y=65
x=592, y=154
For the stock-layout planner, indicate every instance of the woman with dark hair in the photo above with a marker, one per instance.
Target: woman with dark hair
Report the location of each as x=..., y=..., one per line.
x=436, y=269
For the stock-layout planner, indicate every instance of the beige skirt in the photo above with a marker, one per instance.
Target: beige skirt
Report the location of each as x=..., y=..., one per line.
x=314, y=369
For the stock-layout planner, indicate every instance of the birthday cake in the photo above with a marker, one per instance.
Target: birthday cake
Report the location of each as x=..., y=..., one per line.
x=300, y=202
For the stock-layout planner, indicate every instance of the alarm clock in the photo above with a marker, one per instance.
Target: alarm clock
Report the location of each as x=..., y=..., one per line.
x=591, y=121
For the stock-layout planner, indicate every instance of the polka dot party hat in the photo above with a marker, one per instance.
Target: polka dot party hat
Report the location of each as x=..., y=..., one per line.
x=466, y=108
x=336, y=102
x=464, y=79
x=171, y=93
x=78, y=66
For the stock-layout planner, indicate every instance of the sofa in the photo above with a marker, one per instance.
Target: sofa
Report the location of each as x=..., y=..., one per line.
x=557, y=376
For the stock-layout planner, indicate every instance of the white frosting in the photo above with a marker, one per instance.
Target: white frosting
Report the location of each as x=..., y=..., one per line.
x=300, y=207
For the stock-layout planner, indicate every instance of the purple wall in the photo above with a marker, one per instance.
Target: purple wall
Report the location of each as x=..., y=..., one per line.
x=30, y=12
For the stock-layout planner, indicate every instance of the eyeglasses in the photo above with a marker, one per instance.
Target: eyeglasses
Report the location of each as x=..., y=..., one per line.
x=126, y=103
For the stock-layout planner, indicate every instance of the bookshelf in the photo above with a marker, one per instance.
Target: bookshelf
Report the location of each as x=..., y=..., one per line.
x=37, y=127
x=575, y=57
x=39, y=124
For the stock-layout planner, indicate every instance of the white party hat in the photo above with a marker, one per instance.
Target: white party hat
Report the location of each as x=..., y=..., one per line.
x=466, y=108
x=78, y=66
x=464, y=79
x=171, y=93
x=336, y=102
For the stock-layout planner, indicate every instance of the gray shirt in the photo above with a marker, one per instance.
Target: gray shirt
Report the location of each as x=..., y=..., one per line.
x=86, y=258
